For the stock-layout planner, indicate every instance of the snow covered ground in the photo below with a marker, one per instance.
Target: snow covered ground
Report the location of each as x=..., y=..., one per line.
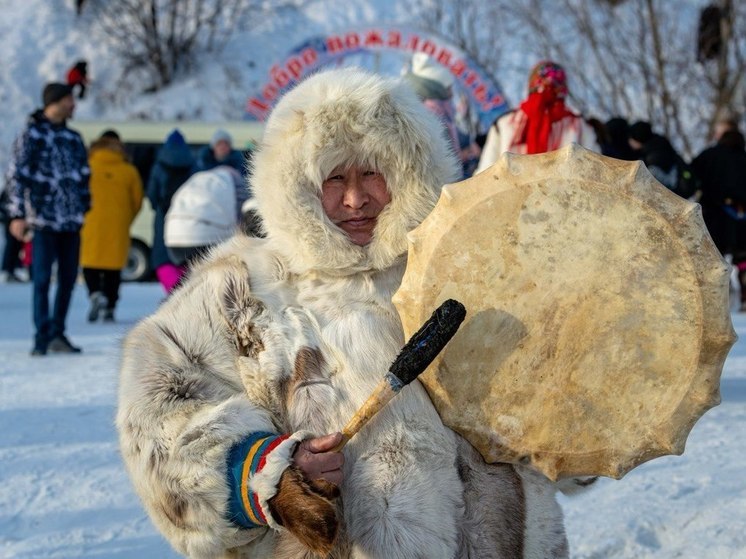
x=64, y=492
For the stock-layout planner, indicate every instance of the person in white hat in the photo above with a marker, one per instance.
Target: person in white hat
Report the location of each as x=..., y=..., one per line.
x=205, y=211
x=220, y=152
x=433, y=84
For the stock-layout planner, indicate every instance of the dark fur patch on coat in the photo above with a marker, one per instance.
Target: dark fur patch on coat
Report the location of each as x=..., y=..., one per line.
x=157, y=457
x=174, y=507
x=307, y=510
x=562, y=549
x=496, y=531
x=308, y=365
x=175, y=386
x=308, y=389
x=241, y=309
x=174, y=339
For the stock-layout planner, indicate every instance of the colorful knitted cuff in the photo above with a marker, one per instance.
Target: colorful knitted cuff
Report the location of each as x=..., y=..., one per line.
x=245, y=461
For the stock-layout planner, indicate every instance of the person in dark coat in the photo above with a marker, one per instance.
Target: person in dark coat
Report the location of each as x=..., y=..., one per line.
x=173, y=166
x=721, y=170
x=659, y=156
x=617, y=138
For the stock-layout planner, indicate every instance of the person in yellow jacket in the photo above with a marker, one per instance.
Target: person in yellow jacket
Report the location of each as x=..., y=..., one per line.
x=116, y=196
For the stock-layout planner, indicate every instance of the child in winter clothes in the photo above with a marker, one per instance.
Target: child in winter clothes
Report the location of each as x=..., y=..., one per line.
x=205, y=211
x=174, y=164
x=116, y=196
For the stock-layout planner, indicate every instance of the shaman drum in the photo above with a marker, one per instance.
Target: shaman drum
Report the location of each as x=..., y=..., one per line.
x=597, y=312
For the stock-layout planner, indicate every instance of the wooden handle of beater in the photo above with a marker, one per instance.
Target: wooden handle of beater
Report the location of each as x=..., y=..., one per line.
x=414, y=358
x=381, y=395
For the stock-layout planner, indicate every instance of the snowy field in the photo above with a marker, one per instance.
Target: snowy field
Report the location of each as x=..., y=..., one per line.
x=64, y=492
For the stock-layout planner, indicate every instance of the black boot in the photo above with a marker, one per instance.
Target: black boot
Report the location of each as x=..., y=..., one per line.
x=98, y=301
x=61, y=344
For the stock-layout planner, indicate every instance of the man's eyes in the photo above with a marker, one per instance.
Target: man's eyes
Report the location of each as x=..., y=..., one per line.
x=366, y=173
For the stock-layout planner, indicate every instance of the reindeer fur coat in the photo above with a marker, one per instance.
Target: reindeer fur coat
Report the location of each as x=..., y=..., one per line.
x=289, y=334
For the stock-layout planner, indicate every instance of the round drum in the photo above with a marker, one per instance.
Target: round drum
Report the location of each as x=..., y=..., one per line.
x=597, y=312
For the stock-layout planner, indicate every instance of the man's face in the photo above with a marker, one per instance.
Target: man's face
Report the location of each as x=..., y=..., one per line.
x=352, y=198
x=221, y=149
x=62, y=109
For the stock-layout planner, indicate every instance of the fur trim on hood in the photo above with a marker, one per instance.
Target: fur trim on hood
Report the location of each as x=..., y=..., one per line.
x=344, y=117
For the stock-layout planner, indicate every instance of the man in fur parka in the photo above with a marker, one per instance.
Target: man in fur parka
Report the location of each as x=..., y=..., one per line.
x=232, y=394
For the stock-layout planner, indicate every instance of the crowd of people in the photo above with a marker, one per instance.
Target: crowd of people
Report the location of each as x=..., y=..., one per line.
x=715, y=178
x=69, y=208
x=201, y=208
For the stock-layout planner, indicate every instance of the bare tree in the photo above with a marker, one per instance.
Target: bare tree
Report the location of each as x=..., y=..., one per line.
x=461, y=23
x=161, y=37
x=725, y=73
x=636, y=58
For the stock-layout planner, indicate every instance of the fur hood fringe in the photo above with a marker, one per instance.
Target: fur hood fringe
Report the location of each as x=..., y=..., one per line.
x=337, y=117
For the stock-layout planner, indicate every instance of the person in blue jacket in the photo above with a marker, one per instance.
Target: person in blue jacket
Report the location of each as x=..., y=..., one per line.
x=173, y=166
x=48, y=199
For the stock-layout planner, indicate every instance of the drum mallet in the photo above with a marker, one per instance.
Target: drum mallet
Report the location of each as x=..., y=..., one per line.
x=414, y=358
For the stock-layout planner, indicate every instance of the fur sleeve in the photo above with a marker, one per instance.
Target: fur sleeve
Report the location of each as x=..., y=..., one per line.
x=255, y=467
x=182, y=406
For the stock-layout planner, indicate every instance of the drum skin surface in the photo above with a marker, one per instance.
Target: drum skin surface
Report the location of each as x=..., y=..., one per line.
x=597, y=312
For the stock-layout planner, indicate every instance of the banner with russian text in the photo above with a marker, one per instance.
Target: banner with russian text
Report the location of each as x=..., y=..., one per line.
x=387, y=50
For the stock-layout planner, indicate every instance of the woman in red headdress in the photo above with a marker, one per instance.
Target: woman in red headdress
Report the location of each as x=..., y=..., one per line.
x=541, y=123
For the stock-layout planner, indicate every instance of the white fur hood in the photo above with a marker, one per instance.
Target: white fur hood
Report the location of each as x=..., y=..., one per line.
x=338, y=117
